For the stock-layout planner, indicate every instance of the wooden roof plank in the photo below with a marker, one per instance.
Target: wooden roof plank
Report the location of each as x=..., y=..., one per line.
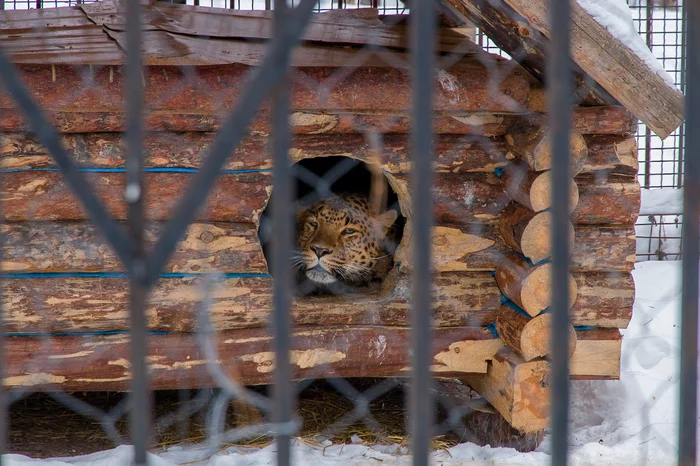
x=342, y=27
x=614, y=66
x=512, y=34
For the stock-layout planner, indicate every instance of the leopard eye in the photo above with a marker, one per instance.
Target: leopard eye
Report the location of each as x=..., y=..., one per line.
x=313, y=224
x=348, y=231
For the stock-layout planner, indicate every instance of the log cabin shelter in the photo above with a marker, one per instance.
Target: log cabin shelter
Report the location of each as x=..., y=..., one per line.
x=350, y=99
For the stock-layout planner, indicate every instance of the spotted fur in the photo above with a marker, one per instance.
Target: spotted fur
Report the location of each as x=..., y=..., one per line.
x=339, y=243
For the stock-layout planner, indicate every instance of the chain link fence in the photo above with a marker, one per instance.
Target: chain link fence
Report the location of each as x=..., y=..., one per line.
x=214, y=321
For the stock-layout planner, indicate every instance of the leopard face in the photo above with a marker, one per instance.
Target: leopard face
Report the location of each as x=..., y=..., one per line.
x=338, y=240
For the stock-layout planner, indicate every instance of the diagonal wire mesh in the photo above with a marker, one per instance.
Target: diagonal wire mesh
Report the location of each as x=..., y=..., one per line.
x=180, y=297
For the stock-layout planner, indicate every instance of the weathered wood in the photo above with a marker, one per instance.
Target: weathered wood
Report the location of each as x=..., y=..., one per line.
x=586, y=120
x=614, y=66
x=597, y=355
x=532, y=144
x=605, y=200
x=236, y=197
x=234, y=248
x=529, y=233
x=482, y=424
x=301, y=122
x=533, y=189
x=178, y=361
x=604, y=299
x=512, y=33
x=603, y=248
x=488, y=427
x=454, y=153
x=61, y=303
x=465, y=87
x=527, y=286
x=614, y=154
x=79, y=247
x=519, y=390
x=596, y=199
x=529, y=337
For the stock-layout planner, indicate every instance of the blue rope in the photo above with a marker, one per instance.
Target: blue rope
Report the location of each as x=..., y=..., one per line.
x=20, y=275
x=123, y=170
x=80, y=334
x=492, y=329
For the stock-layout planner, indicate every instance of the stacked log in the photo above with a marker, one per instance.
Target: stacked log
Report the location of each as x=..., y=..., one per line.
x=62, y=277
x=602, y=200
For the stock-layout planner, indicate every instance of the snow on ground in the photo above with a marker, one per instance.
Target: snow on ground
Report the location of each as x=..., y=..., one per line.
x=631, y=421
x=615, y=16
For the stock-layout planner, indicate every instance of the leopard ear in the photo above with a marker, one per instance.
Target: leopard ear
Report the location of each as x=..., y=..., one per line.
x=384, y=221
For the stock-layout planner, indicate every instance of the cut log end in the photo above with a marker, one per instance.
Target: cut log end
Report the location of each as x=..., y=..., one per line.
x=535, y=241
x=536, y=290
x=529, y=338
x=541, y=193
x=532, y=143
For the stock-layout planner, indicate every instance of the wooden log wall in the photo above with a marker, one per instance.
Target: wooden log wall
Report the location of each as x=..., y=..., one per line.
x=62, y=277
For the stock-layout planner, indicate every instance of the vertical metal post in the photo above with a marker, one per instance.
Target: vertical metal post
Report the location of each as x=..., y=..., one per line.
x=559, y=90
x=283, y=225
x=681, y=130
x=4, y=405
x=688, y=406
x=140, y=408
x=422, y=36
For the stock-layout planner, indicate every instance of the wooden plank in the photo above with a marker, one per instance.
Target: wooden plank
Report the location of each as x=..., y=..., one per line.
x=78, y=303
x=512, y=33
x=43, y=196
x=234, y=248
x=602, y=200
x=214, y=90
x=597, y=355
x=236, y=197
x=586, y=120
x=177, y=361
x=302, y=122
x=79, y=247
x=454, y=153
x=520, y=390
x=604, y=299
x=614, y=66
x=337, y=27
x=591, y=246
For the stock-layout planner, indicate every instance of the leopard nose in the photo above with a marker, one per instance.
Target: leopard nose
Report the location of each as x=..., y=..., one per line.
x=321, y=251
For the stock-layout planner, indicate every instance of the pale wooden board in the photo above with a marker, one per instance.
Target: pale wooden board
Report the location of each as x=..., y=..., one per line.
x=614, y=66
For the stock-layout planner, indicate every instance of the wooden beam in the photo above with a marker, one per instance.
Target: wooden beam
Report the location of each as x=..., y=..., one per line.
x=614, y=66
x=518, y=389
x=235, y=248
x=512, y=33
x=176, y=361
x=82, y=304
x=454, y=153
x=529, y=337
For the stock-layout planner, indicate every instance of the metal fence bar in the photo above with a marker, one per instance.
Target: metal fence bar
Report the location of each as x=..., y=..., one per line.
x=687, y=449
x=4, y=395
x=232, y=130
x=134, y=193
x=283, y=222
x=559, y=90
x=422, y=36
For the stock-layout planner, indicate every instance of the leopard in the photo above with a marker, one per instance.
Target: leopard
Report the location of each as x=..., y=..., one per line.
x=341, y=247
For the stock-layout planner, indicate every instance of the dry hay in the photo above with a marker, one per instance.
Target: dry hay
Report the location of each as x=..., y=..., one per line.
x=42, y=426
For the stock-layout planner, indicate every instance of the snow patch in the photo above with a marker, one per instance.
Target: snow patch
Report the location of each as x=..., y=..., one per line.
x=615, y=16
